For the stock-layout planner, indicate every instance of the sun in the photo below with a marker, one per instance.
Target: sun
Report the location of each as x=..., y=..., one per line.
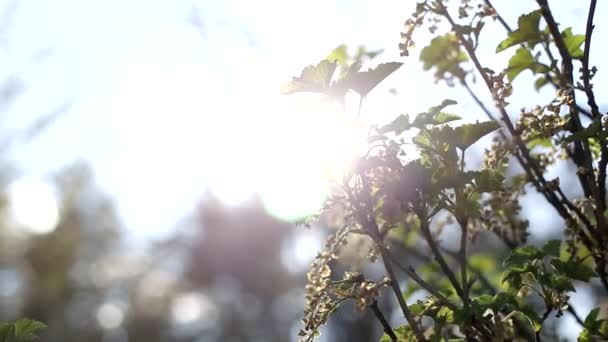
x=180, y=134
x=313, y=142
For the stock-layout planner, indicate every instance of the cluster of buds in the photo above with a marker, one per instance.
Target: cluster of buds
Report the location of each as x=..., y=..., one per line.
x=501, y=90
x=367, y=292
x=502, y=214
x=486, y=11
x=497, y=156
x=564, y=96
x=540, y=122
x=319, y=301
x=411, y=24
x=464, y=8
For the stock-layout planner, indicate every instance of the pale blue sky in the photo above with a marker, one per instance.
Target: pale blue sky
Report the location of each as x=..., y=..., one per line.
x=148, y=86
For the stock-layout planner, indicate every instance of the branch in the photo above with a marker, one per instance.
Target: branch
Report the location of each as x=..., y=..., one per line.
x=426, y=231
x=404, y=308
x=595, y=112
x=412, y=274
x=385, y=325
x=498, y=16
x=562, y=204
x=581, y=148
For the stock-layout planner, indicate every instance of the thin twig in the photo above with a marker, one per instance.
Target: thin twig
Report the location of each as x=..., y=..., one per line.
x=385, y=325
x=426, y=231
x=411, y=272
x=404, y=308
x=498, y=16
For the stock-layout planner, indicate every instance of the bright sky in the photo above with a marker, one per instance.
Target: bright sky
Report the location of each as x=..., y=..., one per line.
x=180, y=96
x=173, y=98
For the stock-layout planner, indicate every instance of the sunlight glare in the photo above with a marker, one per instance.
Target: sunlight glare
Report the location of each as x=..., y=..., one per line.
x=312, y=142
x=33, y=205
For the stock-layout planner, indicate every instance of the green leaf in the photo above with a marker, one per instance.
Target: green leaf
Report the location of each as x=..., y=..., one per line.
x=527, y=31
x=466, y=135
x=529, y=315
x=574, y=270
x=591, y=321
x=573, y=43
x=436, y=109
x=435, y=116
x=445, y=55
x=540, y=82
x=363, y=82
x=404, y=334
x=488, y=180
x=399, y=125
x=522, y=255
x=594, y=130
x=552, y=248
x=7, y=333
x=443, y=117
x=314, y=78
x=503, y=300
x=522, y=60
x=26, y=329
x=339, y=55
x=23, y=330
x=560, y=283
x=539, y=140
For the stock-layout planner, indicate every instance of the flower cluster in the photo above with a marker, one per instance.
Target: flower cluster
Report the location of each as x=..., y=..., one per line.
x=411, y=24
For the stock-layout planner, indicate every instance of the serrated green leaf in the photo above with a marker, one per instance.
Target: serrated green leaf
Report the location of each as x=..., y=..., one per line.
x=399, y=125
x=404, y=334
x=573, y=43
x=435, y=116
x=591, y=321
x=574, y=270
x=339, y=55
x=527, y=31
x=314, y=78
x=504, y=300
x=488, y=180
x=523, y=60
x=513, y=278
x=364, y=81
x=522, y=255
x=539, y=141
x=552, y=248
x=529, y=315
x=26, y=329
x=445, y=55
x=417, y=309
x=7, y=333
x=466, y=135
x=592, y=131
x=540, y=82
x=22, y=330
x=436, y=109
x=560, y=283
x=443, y=117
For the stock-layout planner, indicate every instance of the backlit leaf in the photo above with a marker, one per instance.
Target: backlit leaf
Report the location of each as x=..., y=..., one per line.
x=574, y=270
x=573, y=43
x=527, y=31
x=466, y=135
x=363, y=82
x=522, y=60
x=314, y=78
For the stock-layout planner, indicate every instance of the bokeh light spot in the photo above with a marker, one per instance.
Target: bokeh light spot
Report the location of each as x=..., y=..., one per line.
x=33, y=205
